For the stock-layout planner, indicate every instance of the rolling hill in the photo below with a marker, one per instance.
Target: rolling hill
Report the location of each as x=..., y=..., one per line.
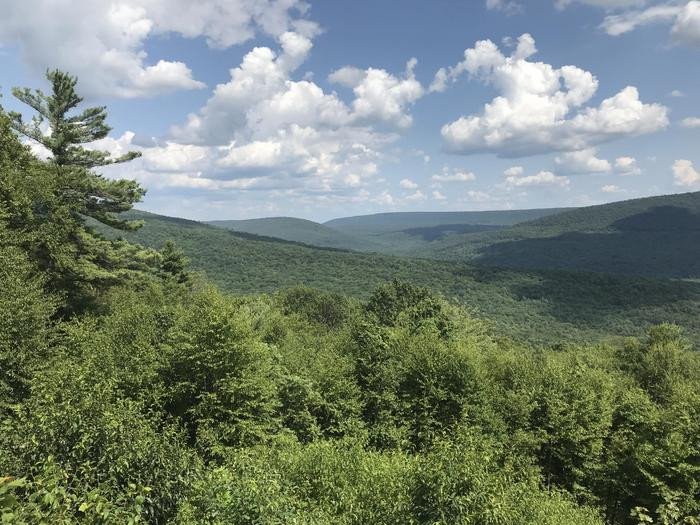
x=534, y=306
x=401, y=221
x=655, y=236
x=408, y=233
x=299, y=230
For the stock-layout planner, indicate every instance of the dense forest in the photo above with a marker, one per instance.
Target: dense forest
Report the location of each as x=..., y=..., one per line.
x=652, y=237
x=534, y=306
x=133, y=391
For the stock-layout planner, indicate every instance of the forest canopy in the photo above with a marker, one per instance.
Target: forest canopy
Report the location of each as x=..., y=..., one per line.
x=134, y=391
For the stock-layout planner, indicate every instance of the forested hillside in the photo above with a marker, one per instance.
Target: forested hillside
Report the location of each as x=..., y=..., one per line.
x=299, y=230
x=400, y=221
x=135, y=391
x=656, y=236
x=653, y=237
x=543, y=307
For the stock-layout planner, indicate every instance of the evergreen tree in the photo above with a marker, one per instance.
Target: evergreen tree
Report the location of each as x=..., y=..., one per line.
x=174, y=263
x=87, y=193
x=67, y=132
x=49, y=209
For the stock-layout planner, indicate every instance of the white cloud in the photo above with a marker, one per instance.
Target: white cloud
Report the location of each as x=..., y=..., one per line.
x=477, y=196
x=416, y=197
x=408, y=184
x=685, y=174
x=263, y=130
x=438, y=196
x=686, y=28
x=605, y=4
x=627, y=166
x=540, y=108
x=610, y=188
x=514, y=171
x=256, y=154
x=385, y=199
x=380, y=96
x=174, y=157
x=676, y=93
x=619, y=24
x=507, y=6
x=684, y=18
x=691, y=122
x=103, y=43
x=582, y=161
x=455, y=176
x=543, y=178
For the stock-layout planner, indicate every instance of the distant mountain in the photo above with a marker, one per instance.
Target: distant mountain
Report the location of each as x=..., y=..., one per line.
x=655, y=236
x=298, y=230
x=401, y=221
x=535, y=306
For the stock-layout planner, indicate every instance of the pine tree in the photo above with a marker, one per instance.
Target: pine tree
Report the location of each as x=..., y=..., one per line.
x=174, y=263
x=86, y=192
x=67, y=133
x=49, y=208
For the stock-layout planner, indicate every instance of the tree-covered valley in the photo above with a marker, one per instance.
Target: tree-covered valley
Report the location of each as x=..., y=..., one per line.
x=159, y=370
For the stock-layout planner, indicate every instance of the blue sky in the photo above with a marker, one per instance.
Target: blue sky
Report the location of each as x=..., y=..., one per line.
x=253, y=108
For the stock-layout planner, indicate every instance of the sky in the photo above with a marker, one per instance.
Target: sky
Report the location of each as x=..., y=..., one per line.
x=259, y=108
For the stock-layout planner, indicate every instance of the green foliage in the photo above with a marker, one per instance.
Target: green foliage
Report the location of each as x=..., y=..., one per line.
x=174, y=263
x=301, y=231
x=100, y=440
x=654, y=236
x=469, y=479
x=42, y=213
x=49, y=499
x=81, y=190
x=540, y=307
x=25, y=324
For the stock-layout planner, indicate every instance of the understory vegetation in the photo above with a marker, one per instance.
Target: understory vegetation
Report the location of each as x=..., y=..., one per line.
x=133, y=391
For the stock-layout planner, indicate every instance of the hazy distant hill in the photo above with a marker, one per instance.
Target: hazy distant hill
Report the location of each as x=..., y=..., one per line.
x=656, y=236
x=298, y=230
x=411, y=233
x=400, y=221
x=539, y=306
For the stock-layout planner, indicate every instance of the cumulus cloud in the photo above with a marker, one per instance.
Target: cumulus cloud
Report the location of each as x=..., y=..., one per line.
x=514, y=171
x=380, y=96
x=438, y=196
x=684, y=18
x=605, y=4
x=540, y=108
x=685, y=174
x=686, y=27
x=261, y=99
x=507, y=6
x=418, y=196
x=582, y=161
x=453, y=176
x=691, y=122
x=676, y=93
x=264, y=130
x=543, y=178
x=610, y=188
x=477, y=196
x=627, y=166
x=103, y=43
x=408, y=184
